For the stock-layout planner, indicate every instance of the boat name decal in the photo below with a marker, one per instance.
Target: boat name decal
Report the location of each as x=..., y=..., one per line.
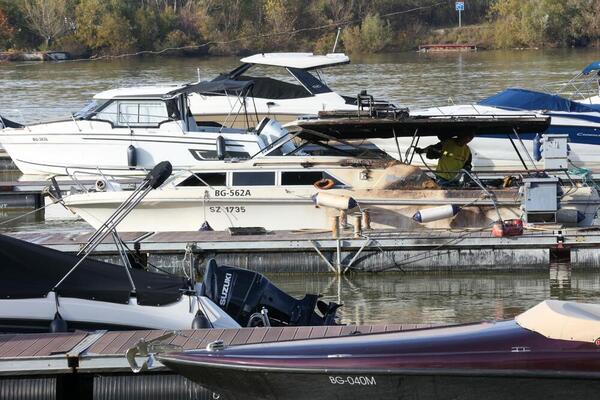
x=233, y=193
x=353, y=380
x=227, y=209
x=39, y=139
x=225, y=290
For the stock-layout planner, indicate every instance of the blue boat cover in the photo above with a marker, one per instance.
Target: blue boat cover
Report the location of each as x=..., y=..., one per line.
x=523, y=99
x=592, y=67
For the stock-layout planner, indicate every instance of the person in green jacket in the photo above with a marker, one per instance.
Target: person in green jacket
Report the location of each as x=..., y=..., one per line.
x=454, y=154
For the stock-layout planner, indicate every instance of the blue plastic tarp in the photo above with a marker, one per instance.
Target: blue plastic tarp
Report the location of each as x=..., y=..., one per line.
x=592, y=67
x=523, y=99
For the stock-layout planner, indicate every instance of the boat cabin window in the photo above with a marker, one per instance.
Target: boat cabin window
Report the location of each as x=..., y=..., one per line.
x=148, y=113
x=89, y=109
x=253, y=178
x=296, y=178
x=108, y=113
x=203, y=179
x=135, y=113
x=309, y=81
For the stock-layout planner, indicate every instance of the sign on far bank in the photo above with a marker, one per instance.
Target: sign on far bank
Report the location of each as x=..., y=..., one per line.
x=460, y=6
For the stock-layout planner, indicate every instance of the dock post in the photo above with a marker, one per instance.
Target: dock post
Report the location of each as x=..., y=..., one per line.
x=357, y=226
x=366, y=219
x=335, y=227
x=343, y=219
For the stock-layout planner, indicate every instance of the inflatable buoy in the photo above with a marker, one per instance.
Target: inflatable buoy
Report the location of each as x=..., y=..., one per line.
x=58, y=324
x=336, y=201
x=201, y=322
x=324, y=184
x=436, y=213
x=131, y=157
x=221, y=148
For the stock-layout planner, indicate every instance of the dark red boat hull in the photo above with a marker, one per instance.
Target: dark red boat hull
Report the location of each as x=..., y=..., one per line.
x=478, y=362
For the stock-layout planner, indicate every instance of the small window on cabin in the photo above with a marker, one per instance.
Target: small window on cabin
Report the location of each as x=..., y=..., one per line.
x=108, y=113
x=253, y=178
x=148, y=113
x=210, y=179
x=301, y=178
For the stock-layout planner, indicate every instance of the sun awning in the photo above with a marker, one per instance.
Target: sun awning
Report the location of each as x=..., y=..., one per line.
x=297, y=60
x=563, y=320
x=383, y=128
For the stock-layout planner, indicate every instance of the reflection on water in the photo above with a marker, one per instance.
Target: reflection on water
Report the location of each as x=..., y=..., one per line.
x=38, y=91
x=11, y=220
x=443, y=298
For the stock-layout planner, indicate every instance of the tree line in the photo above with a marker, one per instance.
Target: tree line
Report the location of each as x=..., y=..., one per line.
x=110, y=27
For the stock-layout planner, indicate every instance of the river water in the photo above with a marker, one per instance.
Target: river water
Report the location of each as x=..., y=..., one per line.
x=33, y=92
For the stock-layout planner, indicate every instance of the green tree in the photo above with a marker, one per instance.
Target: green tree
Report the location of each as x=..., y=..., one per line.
x=102, y=27
x=372, y=36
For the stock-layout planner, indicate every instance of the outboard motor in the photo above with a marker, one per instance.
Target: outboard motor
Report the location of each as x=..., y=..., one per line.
x=242, y=294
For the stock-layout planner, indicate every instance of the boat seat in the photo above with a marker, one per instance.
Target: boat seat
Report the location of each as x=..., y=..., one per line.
x=563, y=320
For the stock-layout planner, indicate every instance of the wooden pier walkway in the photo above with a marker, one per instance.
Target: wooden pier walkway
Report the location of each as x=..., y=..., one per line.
x=93, y=366
x=102, y=351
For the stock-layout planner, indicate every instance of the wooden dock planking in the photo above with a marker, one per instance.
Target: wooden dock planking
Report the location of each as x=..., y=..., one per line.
x=98, y=352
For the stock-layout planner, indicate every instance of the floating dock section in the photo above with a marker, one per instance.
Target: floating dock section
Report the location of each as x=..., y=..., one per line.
x=427, y=48
x=372, y=251
x=93, y=366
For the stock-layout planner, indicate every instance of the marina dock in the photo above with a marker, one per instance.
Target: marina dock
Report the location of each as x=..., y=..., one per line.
x=373, y=251
x=93, y=365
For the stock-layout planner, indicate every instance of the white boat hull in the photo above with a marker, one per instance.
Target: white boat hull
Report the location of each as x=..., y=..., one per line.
x=35, y=314
x=187, y=209
x=217, y=108
x=61, y=148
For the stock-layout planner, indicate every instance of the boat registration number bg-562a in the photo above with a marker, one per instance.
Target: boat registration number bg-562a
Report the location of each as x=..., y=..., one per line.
x=232, y=193
x=353, y=380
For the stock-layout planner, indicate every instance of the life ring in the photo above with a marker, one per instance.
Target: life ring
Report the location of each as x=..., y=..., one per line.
x=324, y=184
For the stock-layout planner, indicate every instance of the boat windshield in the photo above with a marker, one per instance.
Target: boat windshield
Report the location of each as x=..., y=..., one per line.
x=89, y=109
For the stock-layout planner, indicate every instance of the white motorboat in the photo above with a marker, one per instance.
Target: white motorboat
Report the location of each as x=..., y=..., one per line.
x=573, y=106
x=128, y=131
x=97, y=295
x=275, y=98
x=304, y=191
x=44, y=289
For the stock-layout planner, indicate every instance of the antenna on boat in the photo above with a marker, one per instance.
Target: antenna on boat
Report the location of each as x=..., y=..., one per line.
x=153, y=180
x=337, y=36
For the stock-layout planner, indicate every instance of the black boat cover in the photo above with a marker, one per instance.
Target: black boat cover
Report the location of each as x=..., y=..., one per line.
x=371, y=128
x=29, y=270
x=7, y=123
x=214, y=86
x=269, y=88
